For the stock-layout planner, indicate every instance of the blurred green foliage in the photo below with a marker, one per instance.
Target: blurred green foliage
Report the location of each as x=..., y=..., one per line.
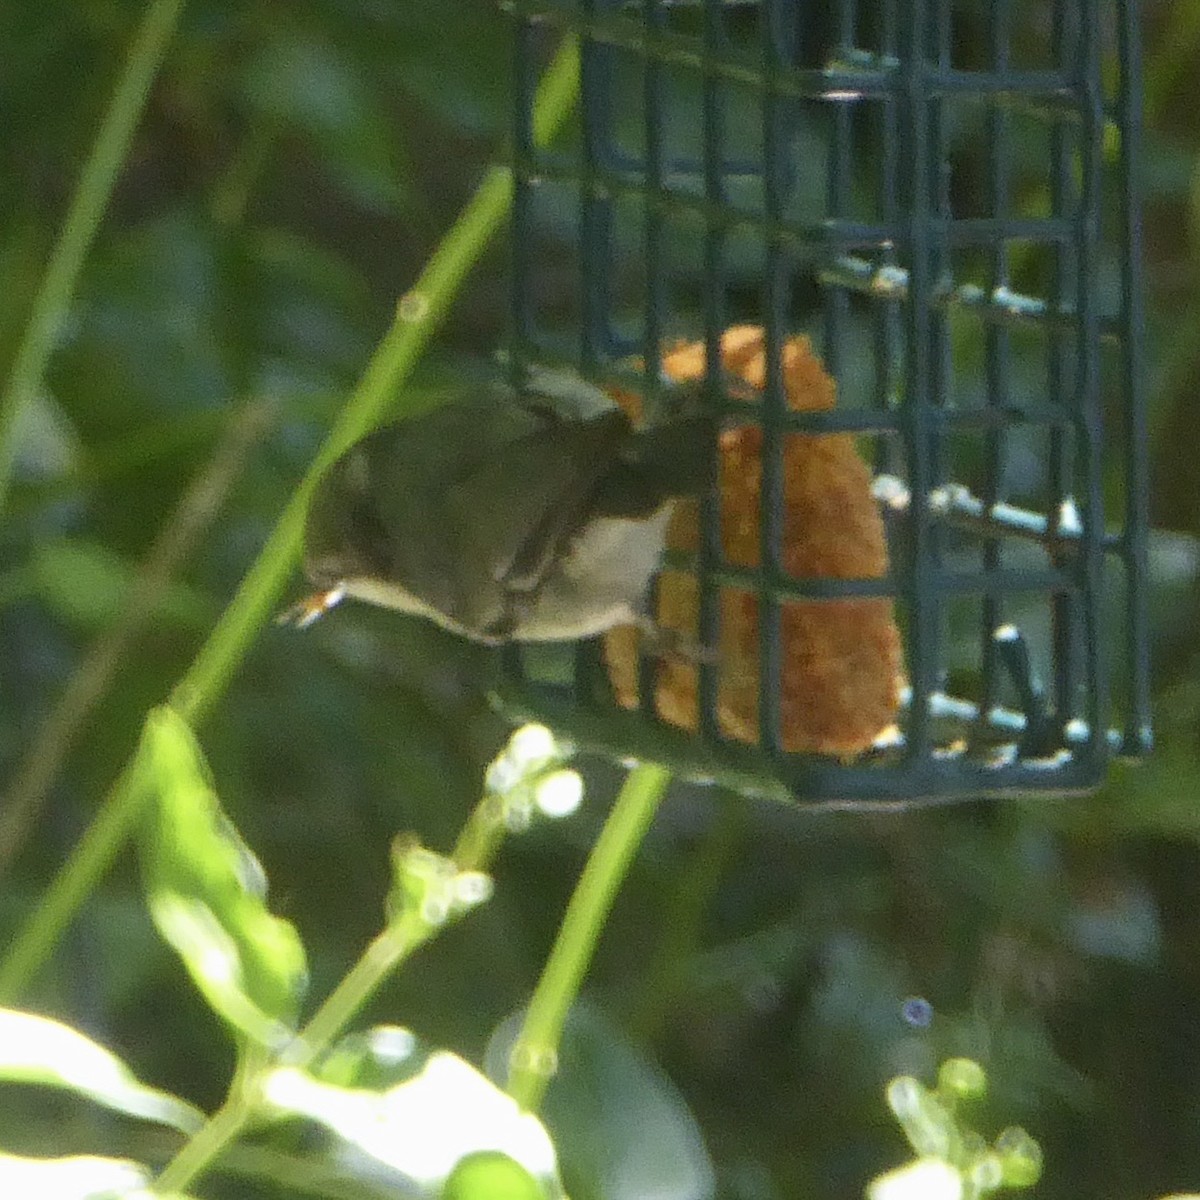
x=292, y=171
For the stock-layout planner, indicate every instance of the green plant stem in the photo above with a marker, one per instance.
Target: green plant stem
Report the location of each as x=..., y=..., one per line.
x=473, y=851
x=221, y=1129
x=537, y=1045
x=535, y=1052
x=411, y=929
x=418, y=315
x=89, y=859
x=481, y=835
x=387, y=951
x=88, y=203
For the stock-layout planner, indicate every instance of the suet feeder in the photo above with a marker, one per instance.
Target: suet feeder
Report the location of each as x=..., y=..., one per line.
x=899, y=242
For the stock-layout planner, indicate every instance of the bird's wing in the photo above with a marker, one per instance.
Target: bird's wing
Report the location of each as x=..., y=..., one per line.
x=515, y=512
x=415, y=467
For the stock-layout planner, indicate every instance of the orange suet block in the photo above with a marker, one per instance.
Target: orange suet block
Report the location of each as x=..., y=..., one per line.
x=841, y=659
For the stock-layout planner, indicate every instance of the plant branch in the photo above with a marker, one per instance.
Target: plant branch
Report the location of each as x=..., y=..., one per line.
x=535, y=1052
x=90, y=199
x=417, y=316
x=195, y=511
x=405, y=933
x=473, y=851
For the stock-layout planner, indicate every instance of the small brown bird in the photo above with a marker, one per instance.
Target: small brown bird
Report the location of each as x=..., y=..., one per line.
x=539, y=516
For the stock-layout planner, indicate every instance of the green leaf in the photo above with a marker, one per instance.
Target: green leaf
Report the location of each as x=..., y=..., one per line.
x=927, y=1123
x=81, y=1177
x=923, y=1179
x=962, y=1078
x=206, y=890
x=87, y=584
x=1020, y=1158
x=490, y=1175
x=438, y=1112
x=35, y=1049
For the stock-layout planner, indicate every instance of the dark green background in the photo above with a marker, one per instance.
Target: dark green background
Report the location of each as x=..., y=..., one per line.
x=295, y=167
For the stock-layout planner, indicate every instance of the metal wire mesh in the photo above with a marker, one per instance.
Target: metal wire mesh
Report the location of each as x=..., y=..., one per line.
x=942, y=197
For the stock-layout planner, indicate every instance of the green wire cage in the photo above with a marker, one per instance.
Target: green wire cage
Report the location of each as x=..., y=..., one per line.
x=941, y=198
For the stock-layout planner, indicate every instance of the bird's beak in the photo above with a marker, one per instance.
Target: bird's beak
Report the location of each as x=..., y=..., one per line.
x=304, y=612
